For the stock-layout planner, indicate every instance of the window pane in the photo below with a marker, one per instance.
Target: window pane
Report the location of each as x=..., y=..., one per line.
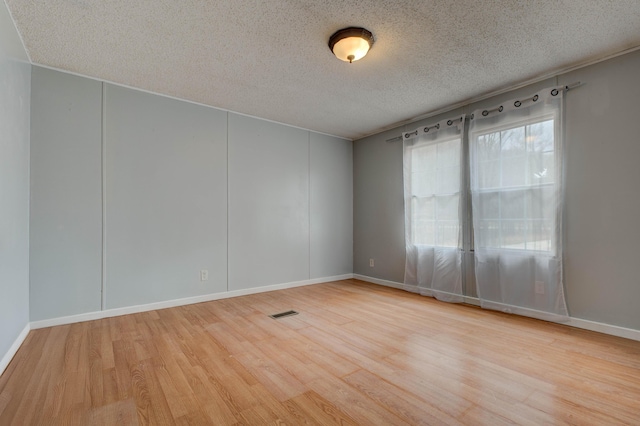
x=422, y=220
x=447, y=207
x=512, y=233
x=512, y=204
x=423, y=158
x=518, y=166
x=539, y=234
x=448, y=180
x=423, y=162
x=541, y=204
x=447, y=233
x=538, y=173
x=488, y=147
x=540, y=136
x=422, y=184
x=435, y=188
x=514, y=171
x=488, y=233
x=489, y=174
x=448, y=153
x=540, y=153
x=424, y=207
x=489, y=205
x=513, y=142
x=549, y=167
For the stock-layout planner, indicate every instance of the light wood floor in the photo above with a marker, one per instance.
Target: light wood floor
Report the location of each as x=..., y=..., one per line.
x=356, y=354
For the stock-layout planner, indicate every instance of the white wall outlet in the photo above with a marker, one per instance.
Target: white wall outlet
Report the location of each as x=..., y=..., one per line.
x=539, y=287
x=372, y=263
x=204, y=275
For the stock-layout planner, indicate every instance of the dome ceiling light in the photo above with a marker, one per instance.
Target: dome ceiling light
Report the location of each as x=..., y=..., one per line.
x=351, y=44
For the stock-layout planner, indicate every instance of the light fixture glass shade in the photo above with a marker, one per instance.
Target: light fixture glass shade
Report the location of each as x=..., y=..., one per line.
x=351, y=44
x=351, y=49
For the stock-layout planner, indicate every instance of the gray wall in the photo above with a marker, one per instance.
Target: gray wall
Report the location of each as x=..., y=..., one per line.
x=268, y=203
x=602, y=199
x=166, y=194
x=136, y=193
x=331, y=206
x=15, y=90
x=603, y=192
x=378, y=207
x=66, y=201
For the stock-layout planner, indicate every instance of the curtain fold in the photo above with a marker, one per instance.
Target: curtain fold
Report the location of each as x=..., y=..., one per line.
x=517, y=191
x=433, y=211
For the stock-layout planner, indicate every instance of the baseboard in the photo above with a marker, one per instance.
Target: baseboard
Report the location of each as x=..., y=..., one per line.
x=6, y=359
x=410, y=288
x=107, y=313
x=379, y=281
x=613, y=330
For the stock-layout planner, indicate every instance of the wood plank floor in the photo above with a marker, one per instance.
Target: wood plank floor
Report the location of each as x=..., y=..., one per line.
x=356, y=354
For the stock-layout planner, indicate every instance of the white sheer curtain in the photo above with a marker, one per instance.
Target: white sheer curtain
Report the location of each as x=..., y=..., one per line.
x=432, y=193
x=516, y=190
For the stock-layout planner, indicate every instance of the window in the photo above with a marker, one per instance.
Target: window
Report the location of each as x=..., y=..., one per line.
x=512, y=174
x=515, y=177
x=432, y=185
x=435, y=193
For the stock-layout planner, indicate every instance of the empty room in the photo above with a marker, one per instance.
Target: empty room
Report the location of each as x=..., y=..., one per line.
x=298, y=212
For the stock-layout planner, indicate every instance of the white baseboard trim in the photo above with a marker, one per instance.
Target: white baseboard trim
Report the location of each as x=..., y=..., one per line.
x=6, y=359
x=89, y=316
x=379, y=281
x=613, y=330
x=410, y=288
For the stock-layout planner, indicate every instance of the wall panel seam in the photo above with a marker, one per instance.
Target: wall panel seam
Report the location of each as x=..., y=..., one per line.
x=309, y=195
x=103, y=177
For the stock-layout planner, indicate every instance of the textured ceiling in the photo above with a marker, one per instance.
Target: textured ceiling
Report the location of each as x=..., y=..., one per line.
x=270, y=58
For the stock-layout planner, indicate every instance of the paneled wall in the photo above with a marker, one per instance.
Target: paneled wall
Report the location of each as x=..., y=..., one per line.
x=165, y=200
x=331, y=248
x=602, y=197
x=66, y=200
x=268, y=203
x=15, y=93
x=134, y=194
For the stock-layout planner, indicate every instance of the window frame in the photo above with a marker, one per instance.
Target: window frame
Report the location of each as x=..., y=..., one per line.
x=557, y=150
x=460, y=192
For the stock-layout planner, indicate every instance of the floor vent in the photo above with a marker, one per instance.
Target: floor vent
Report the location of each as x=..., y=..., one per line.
x=283, y=314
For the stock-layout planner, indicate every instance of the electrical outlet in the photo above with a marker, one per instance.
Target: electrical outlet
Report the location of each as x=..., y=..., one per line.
x=372, y=263
x=539, y=287
x=204, y=275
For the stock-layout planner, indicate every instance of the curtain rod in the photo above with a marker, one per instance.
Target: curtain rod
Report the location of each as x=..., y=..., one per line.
x=566, y=88
x=534, y=98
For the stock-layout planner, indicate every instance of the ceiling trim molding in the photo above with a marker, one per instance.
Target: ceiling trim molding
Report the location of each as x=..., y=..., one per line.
x=555, y=73
x=150, y=92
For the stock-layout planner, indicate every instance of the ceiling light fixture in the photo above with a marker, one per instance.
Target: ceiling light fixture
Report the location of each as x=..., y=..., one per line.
x=351, y=44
